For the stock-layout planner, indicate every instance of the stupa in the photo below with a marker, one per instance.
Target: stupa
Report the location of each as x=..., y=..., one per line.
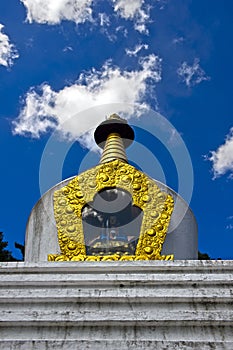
x=110, y=264
x=111, y=212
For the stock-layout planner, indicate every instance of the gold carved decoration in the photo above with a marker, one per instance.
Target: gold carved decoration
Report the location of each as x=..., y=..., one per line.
x=69, y=201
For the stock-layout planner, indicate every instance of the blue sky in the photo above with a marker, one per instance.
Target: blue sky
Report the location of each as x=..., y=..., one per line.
x=65, y=65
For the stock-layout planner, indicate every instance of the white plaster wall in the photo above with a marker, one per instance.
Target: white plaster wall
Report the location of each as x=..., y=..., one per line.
x=116, y=305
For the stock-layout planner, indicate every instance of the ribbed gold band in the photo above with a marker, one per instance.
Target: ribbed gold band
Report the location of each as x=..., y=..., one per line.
x=113, y=149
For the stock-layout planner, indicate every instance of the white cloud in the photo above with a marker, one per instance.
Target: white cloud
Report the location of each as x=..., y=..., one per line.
x=133, y=10
x=192, y=74
x=46, y=109
x=137, y=48
x=67, y=48
x=104, y=22
x=230, y=225
x=222, y=158
x=54, y=11
x=7, y=50
x=178, y=40
x=123, y=30
x=162, y=4
x=104, y=19
x=128, y=9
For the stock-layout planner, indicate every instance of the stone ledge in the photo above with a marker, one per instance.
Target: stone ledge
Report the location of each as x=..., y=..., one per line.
x=121, y=332
x=127, y=305
x=114, y=345
x=119, y=266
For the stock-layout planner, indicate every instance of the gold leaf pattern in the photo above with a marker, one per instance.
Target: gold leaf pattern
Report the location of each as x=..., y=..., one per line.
x=70, y=200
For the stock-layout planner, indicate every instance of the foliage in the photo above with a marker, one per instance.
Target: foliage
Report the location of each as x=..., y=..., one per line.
x=5, y=255
x=203, y=256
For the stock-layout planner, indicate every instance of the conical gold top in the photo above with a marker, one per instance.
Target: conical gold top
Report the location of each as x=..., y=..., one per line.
x=115, y=116
x=114, y=135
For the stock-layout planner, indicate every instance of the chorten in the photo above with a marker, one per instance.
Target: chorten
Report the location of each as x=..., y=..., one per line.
x=112, y=212
x=80, y=286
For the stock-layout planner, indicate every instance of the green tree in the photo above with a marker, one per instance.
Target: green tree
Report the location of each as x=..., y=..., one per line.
x=203, y=256
x=5, y=255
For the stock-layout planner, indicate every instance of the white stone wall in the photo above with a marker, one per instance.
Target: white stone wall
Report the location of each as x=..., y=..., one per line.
x=116, y=305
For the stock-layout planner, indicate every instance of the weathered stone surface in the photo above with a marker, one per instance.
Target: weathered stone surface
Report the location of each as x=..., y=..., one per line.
x=113, y=344
x=116, y=305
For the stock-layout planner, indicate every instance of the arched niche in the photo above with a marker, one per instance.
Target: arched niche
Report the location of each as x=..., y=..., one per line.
x=111, y=223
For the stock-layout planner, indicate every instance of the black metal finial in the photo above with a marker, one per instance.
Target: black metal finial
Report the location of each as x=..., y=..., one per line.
x=114, y=124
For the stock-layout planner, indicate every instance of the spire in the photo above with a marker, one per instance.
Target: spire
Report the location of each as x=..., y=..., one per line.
x=114, y=135
x=113, y=149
